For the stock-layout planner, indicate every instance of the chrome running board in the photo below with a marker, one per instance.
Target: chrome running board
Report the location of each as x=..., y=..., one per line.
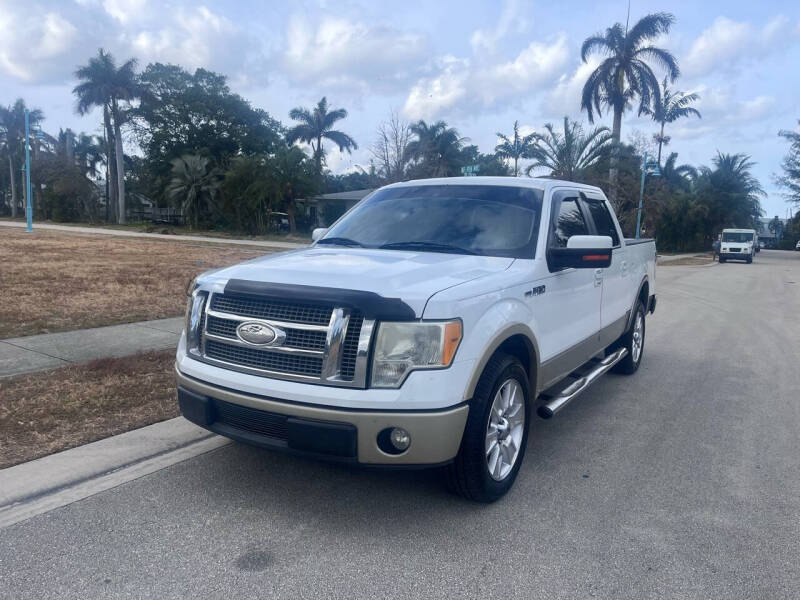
x=549, y=409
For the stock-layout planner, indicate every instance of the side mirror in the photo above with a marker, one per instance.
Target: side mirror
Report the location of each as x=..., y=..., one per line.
x=582, y=252
x=318, y=233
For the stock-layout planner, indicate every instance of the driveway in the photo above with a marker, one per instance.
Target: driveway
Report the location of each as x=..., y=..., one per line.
x=682, y=481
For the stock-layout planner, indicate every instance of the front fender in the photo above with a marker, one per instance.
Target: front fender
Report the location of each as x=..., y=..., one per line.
x=502, y=320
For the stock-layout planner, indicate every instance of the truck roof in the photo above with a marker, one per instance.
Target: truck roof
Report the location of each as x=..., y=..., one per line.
x=540, y=183
x=738, y=230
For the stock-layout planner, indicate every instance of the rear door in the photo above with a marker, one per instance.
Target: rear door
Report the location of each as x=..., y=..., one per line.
x=568, y=309
x=615, y=280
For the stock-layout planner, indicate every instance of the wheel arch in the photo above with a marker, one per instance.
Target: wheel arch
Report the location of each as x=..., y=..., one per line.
x=643, y=295
x=517, y=340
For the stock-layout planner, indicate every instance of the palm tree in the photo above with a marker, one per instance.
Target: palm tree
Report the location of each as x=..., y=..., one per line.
x=673, y=106
x=103, y=84
x=568, y=155
x=678, y=176
x=625, y=74
x=318, y=124
x=515, y=148
x=12, y=130
x=194, y=186
x=437, y=149
x=730, y=191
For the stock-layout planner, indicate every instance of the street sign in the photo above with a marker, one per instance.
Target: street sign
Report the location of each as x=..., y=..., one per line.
x=470, y=170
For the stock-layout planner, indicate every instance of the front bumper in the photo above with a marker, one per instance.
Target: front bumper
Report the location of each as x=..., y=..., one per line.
x=736, y=255
x=347, y=435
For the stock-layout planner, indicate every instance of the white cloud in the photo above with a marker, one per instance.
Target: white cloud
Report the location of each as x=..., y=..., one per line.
x=512, y=20
x=727, y=42
x=34, y=41
x=565, y=97
x=339, y=52
x=193, y=37
x=124, y=10
x=461, y=82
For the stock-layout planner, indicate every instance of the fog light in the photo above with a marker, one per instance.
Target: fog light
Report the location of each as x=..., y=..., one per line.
x=394, y=440
x=400, y=439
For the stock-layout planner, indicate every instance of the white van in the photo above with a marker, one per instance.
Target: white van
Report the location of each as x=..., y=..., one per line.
x=738, y=244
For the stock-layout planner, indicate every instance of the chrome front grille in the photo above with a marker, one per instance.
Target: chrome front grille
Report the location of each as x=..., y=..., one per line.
x=318, y=343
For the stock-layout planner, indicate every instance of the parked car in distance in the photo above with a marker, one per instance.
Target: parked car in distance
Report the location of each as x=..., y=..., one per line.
x=738, y=244
x=423, y=329
x=797, y=245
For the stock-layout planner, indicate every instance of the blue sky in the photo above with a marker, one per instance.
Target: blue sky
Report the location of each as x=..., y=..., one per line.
x=477, y=64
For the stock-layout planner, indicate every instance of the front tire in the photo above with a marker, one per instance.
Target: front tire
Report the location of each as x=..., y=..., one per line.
x=496, y=433
x=633, y=341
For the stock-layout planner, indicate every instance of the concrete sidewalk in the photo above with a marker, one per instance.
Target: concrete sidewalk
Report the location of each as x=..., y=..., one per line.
x=38, y=486
x=159, y=236
x=51, y=350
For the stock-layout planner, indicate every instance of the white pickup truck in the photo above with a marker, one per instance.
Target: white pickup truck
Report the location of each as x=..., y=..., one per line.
x=424, y=328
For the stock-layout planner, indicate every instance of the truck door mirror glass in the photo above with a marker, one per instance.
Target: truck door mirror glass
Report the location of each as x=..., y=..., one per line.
x=582, y=252
x=318, y=233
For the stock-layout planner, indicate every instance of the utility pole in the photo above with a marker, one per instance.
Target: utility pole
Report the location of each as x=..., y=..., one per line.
x=29, y=206
x=641, y=197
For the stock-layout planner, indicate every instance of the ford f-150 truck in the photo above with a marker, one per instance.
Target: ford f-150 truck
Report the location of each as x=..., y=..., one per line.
x=426, y=327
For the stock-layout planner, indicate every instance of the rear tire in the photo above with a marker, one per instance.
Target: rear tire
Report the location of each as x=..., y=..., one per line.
x=633, y=341
x=495, y=435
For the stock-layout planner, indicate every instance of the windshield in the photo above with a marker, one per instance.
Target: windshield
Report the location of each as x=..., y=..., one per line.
x=468, y=219
x=736, y=237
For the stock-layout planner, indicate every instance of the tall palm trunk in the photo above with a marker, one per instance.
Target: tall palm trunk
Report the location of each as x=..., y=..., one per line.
x=660, y=141
x=614, y=167
x=516, y=172
x=111, y=169
x=120, y=165
x=13, y=185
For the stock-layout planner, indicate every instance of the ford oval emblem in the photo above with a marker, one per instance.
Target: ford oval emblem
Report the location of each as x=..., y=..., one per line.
x=257, y=334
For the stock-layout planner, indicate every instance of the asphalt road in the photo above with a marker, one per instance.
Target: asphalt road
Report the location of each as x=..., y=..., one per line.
x=682, y=481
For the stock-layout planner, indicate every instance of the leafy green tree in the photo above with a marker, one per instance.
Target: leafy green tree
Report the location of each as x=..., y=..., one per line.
x=317, y=124
x=673, y=105
x=625, y=74
x=488, y=164
x=105, y=85
x=790, y=180
x=776, y=227
x=569, y=154
x=436, y=151
x=295, y=177
x=194, y=187
x=249, y=192
x=516, y=147
x=196, y=113
x=12, y=130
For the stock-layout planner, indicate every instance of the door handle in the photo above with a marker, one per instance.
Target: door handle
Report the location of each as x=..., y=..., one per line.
x=623, y=267
x=598, y=277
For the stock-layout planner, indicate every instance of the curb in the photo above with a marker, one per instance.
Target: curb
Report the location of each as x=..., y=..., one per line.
x=47, y=483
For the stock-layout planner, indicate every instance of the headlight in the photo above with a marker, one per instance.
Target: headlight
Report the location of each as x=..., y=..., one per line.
x=405, y=347
x=194, y=317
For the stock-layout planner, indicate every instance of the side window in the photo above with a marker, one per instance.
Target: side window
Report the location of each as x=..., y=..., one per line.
x=602, y=220
x=568, y=221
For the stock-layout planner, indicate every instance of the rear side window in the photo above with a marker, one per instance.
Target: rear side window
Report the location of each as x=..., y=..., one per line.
x=568, y=222
x=602, y=220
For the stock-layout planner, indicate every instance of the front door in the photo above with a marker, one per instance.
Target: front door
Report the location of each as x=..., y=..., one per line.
x=568, y=311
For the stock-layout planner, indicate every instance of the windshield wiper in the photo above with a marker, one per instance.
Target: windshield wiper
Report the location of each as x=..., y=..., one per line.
x=426, y=245
x=340, y=241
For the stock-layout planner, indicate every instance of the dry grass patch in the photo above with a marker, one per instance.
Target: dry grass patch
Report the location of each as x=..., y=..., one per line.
x=57, y=281
x=700, y=259
x=42, y=413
